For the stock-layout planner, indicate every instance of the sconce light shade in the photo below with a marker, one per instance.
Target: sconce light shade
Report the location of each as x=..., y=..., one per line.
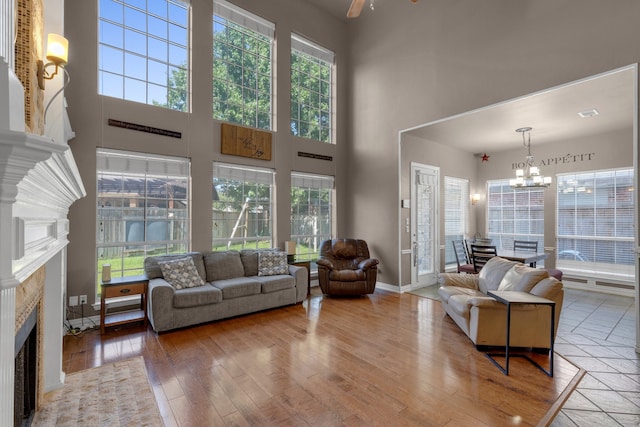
x=57, y=55
x=57, y=49
x=475, y=199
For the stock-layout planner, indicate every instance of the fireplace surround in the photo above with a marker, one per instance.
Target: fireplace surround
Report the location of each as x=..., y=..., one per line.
x=39, y=180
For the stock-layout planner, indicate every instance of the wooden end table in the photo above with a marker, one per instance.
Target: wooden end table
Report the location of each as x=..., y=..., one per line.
x=123, y=287
x=513, y=298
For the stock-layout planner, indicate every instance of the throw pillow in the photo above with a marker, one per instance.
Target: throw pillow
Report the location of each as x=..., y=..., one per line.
x=272, y=262
x=181, y=273
x=522, y=278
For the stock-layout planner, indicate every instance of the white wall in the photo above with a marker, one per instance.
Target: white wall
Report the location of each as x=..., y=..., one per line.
x=416, y=63
x=200, y=140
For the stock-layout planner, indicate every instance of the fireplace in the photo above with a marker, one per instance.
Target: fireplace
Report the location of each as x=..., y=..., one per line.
x=26, y=371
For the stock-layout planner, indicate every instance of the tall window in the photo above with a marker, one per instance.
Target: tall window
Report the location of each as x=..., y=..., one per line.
x=311, y=212
x=514, y=214
x=311, y=101
x=143, y=51
x=143, y=209
x=595, y=223
x=242, y=207
x=242, y=76
x=456, y=214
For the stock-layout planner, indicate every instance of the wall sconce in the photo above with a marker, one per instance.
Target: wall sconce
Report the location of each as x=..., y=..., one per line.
x=475, y=199
x=57, y=54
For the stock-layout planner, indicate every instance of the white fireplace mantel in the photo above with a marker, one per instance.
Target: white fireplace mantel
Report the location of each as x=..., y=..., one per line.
x=39, y=180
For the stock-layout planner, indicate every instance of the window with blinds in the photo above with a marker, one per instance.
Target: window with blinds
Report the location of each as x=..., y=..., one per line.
x=242, y=207
x=311, y=92
x=311, y=213
x=242, y=66
x=456, y=214
x=514, y=214
x=595, y=231
x=143, y=207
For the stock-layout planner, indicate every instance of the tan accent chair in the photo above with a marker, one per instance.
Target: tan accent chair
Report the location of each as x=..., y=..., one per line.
x=484, y=320
x=345, y=268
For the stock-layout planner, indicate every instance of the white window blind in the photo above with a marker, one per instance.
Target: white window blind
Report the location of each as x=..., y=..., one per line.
x=456, y=213
x=241, y=17
x=300, y=44
x=514, y=214
x=595, y=216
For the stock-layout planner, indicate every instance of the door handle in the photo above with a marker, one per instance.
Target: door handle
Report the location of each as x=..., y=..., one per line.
x=415, y=253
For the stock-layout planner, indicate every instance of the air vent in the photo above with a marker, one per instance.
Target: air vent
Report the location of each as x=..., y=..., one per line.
x=588, y=113
x=613, y=285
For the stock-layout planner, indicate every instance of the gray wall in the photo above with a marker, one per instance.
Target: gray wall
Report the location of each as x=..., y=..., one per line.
x=200, y=140
x=416, y=63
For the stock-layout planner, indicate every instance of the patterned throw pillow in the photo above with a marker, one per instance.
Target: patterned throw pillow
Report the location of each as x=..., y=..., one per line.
x=181, y=273
x=272, y=262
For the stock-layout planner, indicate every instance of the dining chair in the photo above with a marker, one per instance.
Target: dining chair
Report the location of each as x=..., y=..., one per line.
x=480, y=254
x=525, y=245
x=462, y=258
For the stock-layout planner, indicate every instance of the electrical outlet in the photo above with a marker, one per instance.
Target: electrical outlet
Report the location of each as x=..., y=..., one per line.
x=83, y=299
x=73, y=301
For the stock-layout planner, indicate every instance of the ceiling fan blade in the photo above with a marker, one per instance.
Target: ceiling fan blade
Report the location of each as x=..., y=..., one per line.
x=355, y=8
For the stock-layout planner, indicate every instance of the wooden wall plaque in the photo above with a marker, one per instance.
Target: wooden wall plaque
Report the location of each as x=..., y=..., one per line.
x=245, y=142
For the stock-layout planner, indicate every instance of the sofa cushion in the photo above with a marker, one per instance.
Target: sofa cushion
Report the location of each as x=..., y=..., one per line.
x=271, y=263
x=522, y=278
x=181, y=273
x=153, y=271
x=276, y=283
x=548, y=288
x=492, y=273
x=347, y=275
x=249, y=259
x=192, y=297
x=238, y=287
x=223, y=265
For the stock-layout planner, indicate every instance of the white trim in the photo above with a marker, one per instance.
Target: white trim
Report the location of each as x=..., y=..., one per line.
x=246, y=19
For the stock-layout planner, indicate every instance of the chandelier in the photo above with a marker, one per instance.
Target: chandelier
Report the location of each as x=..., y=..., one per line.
x=530, y=176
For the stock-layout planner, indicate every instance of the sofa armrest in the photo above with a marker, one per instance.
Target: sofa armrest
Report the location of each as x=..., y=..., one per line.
x=325, y=263
x=301, y=277
x=160, y=304
x=469, y=281
x=368, y=263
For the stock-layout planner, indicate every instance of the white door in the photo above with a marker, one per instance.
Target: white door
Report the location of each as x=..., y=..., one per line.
x=424, y=224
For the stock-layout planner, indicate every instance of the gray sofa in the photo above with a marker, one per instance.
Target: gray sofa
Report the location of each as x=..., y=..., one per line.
x=232, y=287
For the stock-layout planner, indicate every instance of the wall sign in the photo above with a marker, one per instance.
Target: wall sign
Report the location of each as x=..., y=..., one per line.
x=563, y=160
x=314, y=156
x=143, y=128
x=245, y=142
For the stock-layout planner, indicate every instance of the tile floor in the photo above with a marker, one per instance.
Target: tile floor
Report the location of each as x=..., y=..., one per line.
x=597, y=333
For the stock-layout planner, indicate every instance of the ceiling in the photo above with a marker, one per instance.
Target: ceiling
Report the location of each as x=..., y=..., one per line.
x=553, y=114
x=337, y=8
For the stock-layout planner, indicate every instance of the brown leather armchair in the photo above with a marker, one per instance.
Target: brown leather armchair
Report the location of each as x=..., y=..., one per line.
x=344, y=268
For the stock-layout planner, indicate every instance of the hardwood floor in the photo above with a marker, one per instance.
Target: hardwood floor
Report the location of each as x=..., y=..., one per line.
x=386, y=359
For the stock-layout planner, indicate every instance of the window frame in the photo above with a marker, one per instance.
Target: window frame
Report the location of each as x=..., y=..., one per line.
x=132, y=167
x=260, y=32
x=511, y=207
x=591, y=226
x=312, y=182
x=455, y=202
x=132, y=47
x=239, y=173
x=311, y=53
